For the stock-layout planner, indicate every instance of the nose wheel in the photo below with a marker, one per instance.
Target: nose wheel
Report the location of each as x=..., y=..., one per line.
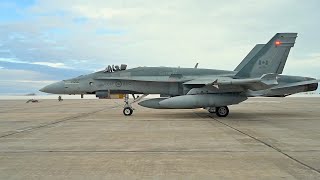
x=127, y=111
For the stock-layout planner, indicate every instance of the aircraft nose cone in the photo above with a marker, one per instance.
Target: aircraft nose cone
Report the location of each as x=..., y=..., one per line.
x=42, y=89
x=55, y=88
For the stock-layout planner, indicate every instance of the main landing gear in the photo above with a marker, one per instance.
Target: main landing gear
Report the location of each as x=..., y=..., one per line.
x=222, y=111
x=128, y=109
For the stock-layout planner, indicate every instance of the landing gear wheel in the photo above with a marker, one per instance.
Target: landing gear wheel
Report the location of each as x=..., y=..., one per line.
x=127, y=111
x=222, y=111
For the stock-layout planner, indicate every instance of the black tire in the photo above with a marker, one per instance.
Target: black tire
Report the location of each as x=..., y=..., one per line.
x=127, y=111
x=222, y=111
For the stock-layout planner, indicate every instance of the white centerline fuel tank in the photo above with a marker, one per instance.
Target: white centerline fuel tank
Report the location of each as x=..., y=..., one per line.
x=194, y=101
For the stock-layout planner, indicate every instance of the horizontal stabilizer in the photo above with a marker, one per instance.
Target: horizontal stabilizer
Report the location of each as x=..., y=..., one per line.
x=286, y=89
x=301, y=83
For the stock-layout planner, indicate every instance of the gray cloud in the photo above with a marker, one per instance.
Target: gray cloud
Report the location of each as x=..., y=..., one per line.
x=218, y=34
x=21, y=81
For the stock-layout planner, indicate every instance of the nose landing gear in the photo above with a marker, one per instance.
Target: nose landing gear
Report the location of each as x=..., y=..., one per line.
x=128, y=109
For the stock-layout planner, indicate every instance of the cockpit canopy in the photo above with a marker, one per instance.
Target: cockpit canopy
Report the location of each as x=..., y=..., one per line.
x=115, y=68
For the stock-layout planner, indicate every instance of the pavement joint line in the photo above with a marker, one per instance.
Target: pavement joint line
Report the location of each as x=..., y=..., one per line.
x=32, y=128
x=143, y=151
x=86, y=121
x=266, y=144
x=121, y=151
x=26, y=108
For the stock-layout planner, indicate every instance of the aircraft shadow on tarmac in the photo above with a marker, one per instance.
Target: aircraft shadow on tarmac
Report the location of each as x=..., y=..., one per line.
x=235, y=115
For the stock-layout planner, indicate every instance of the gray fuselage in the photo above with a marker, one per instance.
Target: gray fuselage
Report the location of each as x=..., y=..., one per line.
x=158, y=80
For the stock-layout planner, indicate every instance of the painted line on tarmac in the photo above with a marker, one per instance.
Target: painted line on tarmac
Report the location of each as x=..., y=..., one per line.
x=27, y=108
x=32, y=128
x=133, y=151
x=266, y=144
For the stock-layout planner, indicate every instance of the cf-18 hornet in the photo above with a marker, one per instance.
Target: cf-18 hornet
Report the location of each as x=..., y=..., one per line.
x=259, y=74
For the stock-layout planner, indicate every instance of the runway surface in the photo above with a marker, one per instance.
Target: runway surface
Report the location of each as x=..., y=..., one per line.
x=262, y=138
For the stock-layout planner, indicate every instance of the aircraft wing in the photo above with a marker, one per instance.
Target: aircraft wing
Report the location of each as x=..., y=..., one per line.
x=202, y=81
x=264, y=82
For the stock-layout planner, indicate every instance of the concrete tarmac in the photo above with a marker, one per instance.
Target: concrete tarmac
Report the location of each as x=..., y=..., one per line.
x=262, y=138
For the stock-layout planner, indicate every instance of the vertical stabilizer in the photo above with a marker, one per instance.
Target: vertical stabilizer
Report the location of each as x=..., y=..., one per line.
x=271, y=58
x=251, y=54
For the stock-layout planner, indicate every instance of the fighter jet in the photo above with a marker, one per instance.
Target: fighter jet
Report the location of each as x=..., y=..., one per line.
x=259, y=74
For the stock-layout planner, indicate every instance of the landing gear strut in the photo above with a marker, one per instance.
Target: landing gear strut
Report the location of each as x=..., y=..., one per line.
x=127, y=110
x=211, y=110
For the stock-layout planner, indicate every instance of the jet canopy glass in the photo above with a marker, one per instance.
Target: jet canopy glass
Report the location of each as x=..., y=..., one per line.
x=115, y=68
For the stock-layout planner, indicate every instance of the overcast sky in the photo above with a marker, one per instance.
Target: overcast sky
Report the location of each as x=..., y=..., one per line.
x=40, y=38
